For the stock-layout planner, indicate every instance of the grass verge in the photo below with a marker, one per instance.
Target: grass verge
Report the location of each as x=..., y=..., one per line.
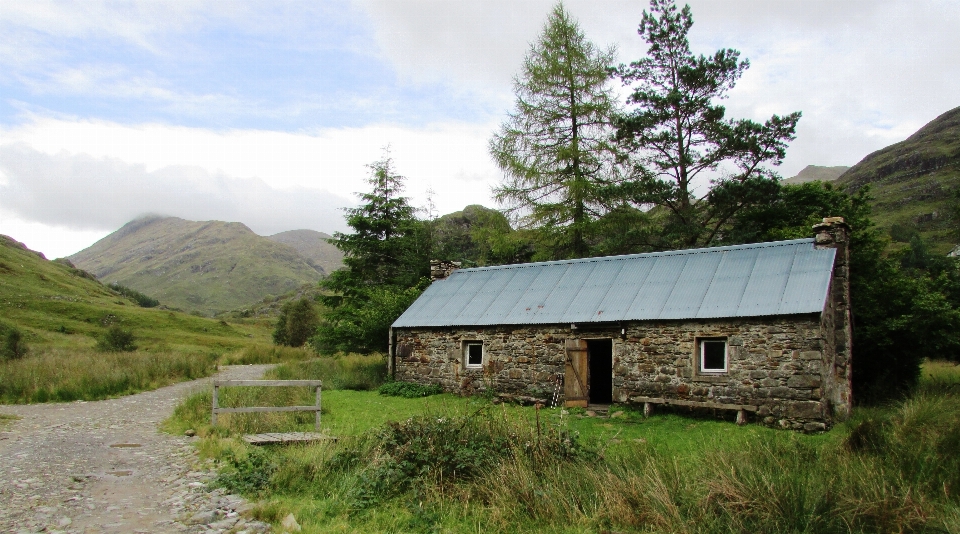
x=447, y=464
x=61, y=375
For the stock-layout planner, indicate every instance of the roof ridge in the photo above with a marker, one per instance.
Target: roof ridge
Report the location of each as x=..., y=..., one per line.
x=620, y=257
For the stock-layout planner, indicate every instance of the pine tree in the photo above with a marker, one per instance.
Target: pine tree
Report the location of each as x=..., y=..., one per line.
x=387, y=245
x=386, y=266
x=677, y=133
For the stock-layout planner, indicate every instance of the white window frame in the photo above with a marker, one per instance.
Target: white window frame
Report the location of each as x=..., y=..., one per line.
x=701, y=356
x=466, y=354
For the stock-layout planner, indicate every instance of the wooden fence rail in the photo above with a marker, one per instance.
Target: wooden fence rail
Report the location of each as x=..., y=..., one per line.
x=217, y=384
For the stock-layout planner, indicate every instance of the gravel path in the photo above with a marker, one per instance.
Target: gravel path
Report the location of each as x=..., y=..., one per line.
x=105, y=467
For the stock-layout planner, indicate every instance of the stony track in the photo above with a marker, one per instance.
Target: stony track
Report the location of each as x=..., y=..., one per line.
x=105, y=467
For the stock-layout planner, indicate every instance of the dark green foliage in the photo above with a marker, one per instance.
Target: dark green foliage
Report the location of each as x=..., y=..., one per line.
x=409, y=390
x=141, y=299
x=361, y=322
x=386, y=262
x=13, y=345
x=905, y=308
x=388, y=244
x=794, y=209
x=478, y=236
x=248, y=472
x=555, y=149
x=117, y=339
x=677, y=131
x=427, y=450
x=297, y=322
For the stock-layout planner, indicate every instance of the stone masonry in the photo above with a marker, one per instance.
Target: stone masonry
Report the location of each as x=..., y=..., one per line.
x=791, y=371
x=776, y=366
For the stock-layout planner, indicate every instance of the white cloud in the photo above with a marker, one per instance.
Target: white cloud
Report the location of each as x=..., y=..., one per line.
x=83, y=192
x=54, y=241
x=98, y=175
x=865, y=73
x=482, y=42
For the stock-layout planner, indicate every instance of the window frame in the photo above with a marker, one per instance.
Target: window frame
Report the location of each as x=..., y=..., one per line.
x=701, y=356
x=466, y=354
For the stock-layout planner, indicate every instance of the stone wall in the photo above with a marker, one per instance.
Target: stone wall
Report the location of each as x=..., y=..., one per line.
x=776, y=365
x=833, y=232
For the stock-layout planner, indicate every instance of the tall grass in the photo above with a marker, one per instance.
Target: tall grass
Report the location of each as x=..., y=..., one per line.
x=462, y=465
x=61, y=375
x=346, y=372
x=259, y=353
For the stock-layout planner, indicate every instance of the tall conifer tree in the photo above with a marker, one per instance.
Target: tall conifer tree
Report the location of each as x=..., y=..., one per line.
x=677, y=132
x=555, y=149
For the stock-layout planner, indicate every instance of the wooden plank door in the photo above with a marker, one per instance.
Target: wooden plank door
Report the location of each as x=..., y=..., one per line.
x=575, y=373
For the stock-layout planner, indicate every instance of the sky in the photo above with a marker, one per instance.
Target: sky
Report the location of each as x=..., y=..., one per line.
x=268, y=112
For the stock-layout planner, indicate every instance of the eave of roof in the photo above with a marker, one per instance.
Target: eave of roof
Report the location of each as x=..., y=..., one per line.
x=777, y=278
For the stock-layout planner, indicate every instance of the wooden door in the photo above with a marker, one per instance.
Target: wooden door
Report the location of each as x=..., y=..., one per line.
x=575, y=376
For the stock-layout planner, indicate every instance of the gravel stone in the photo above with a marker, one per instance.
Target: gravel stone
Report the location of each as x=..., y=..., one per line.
x=59, y=473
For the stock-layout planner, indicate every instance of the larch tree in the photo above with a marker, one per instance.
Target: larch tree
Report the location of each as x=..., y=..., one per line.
x=679, y=138
x=555, y=148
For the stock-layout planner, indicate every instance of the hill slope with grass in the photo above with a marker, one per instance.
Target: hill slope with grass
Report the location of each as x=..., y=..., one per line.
x=56, y=305
x=209, y=267
x=314, y=246
x=913, y=182
x=65, y=319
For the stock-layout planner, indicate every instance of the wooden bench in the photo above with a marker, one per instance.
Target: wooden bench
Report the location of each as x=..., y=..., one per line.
x=272, y=438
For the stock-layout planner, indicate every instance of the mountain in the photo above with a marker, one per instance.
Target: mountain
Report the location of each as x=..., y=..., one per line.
x=55, y=304
x=314, y=246
x=208, y=267
x=812, y=173
x=912, y=182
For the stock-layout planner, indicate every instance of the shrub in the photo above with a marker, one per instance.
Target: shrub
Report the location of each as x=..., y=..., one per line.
x=14, y=347
x=117, y=339
x=428, y=450
x=296, y=323
x=409, y=390
x=362, y=322
x=247, y=472
x=142, y=300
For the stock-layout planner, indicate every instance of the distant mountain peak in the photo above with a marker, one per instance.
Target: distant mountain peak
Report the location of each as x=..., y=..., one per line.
x=812, y=173
x=207, y=266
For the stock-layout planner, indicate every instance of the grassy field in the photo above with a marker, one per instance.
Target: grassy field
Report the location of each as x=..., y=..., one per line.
x=62, y=313
x=452, y=464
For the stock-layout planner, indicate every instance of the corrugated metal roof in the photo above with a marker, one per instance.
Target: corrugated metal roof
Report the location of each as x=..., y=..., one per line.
x=779, y=278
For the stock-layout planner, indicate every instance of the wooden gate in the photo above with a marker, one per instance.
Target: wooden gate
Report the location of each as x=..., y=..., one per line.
x=575, y=373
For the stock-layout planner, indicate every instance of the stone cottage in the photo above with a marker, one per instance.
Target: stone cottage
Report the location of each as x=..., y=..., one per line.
x=761, y=329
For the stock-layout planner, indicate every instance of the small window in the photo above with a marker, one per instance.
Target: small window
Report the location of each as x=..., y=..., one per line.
x=473, y=354
x=713, y=355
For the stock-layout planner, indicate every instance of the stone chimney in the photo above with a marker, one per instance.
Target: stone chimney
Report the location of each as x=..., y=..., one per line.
x=833, y=232
x=440, y=270
x=836, y=323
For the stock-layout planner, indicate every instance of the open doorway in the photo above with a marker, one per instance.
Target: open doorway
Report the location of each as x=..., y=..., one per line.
x=600, y=363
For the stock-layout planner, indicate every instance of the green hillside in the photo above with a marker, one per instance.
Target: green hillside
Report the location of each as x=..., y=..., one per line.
x=913, y=182
x=55, y=305
x=207, y=267
x=313, y=245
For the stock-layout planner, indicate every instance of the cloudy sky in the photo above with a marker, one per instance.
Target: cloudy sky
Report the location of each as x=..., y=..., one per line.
x=267, y=112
